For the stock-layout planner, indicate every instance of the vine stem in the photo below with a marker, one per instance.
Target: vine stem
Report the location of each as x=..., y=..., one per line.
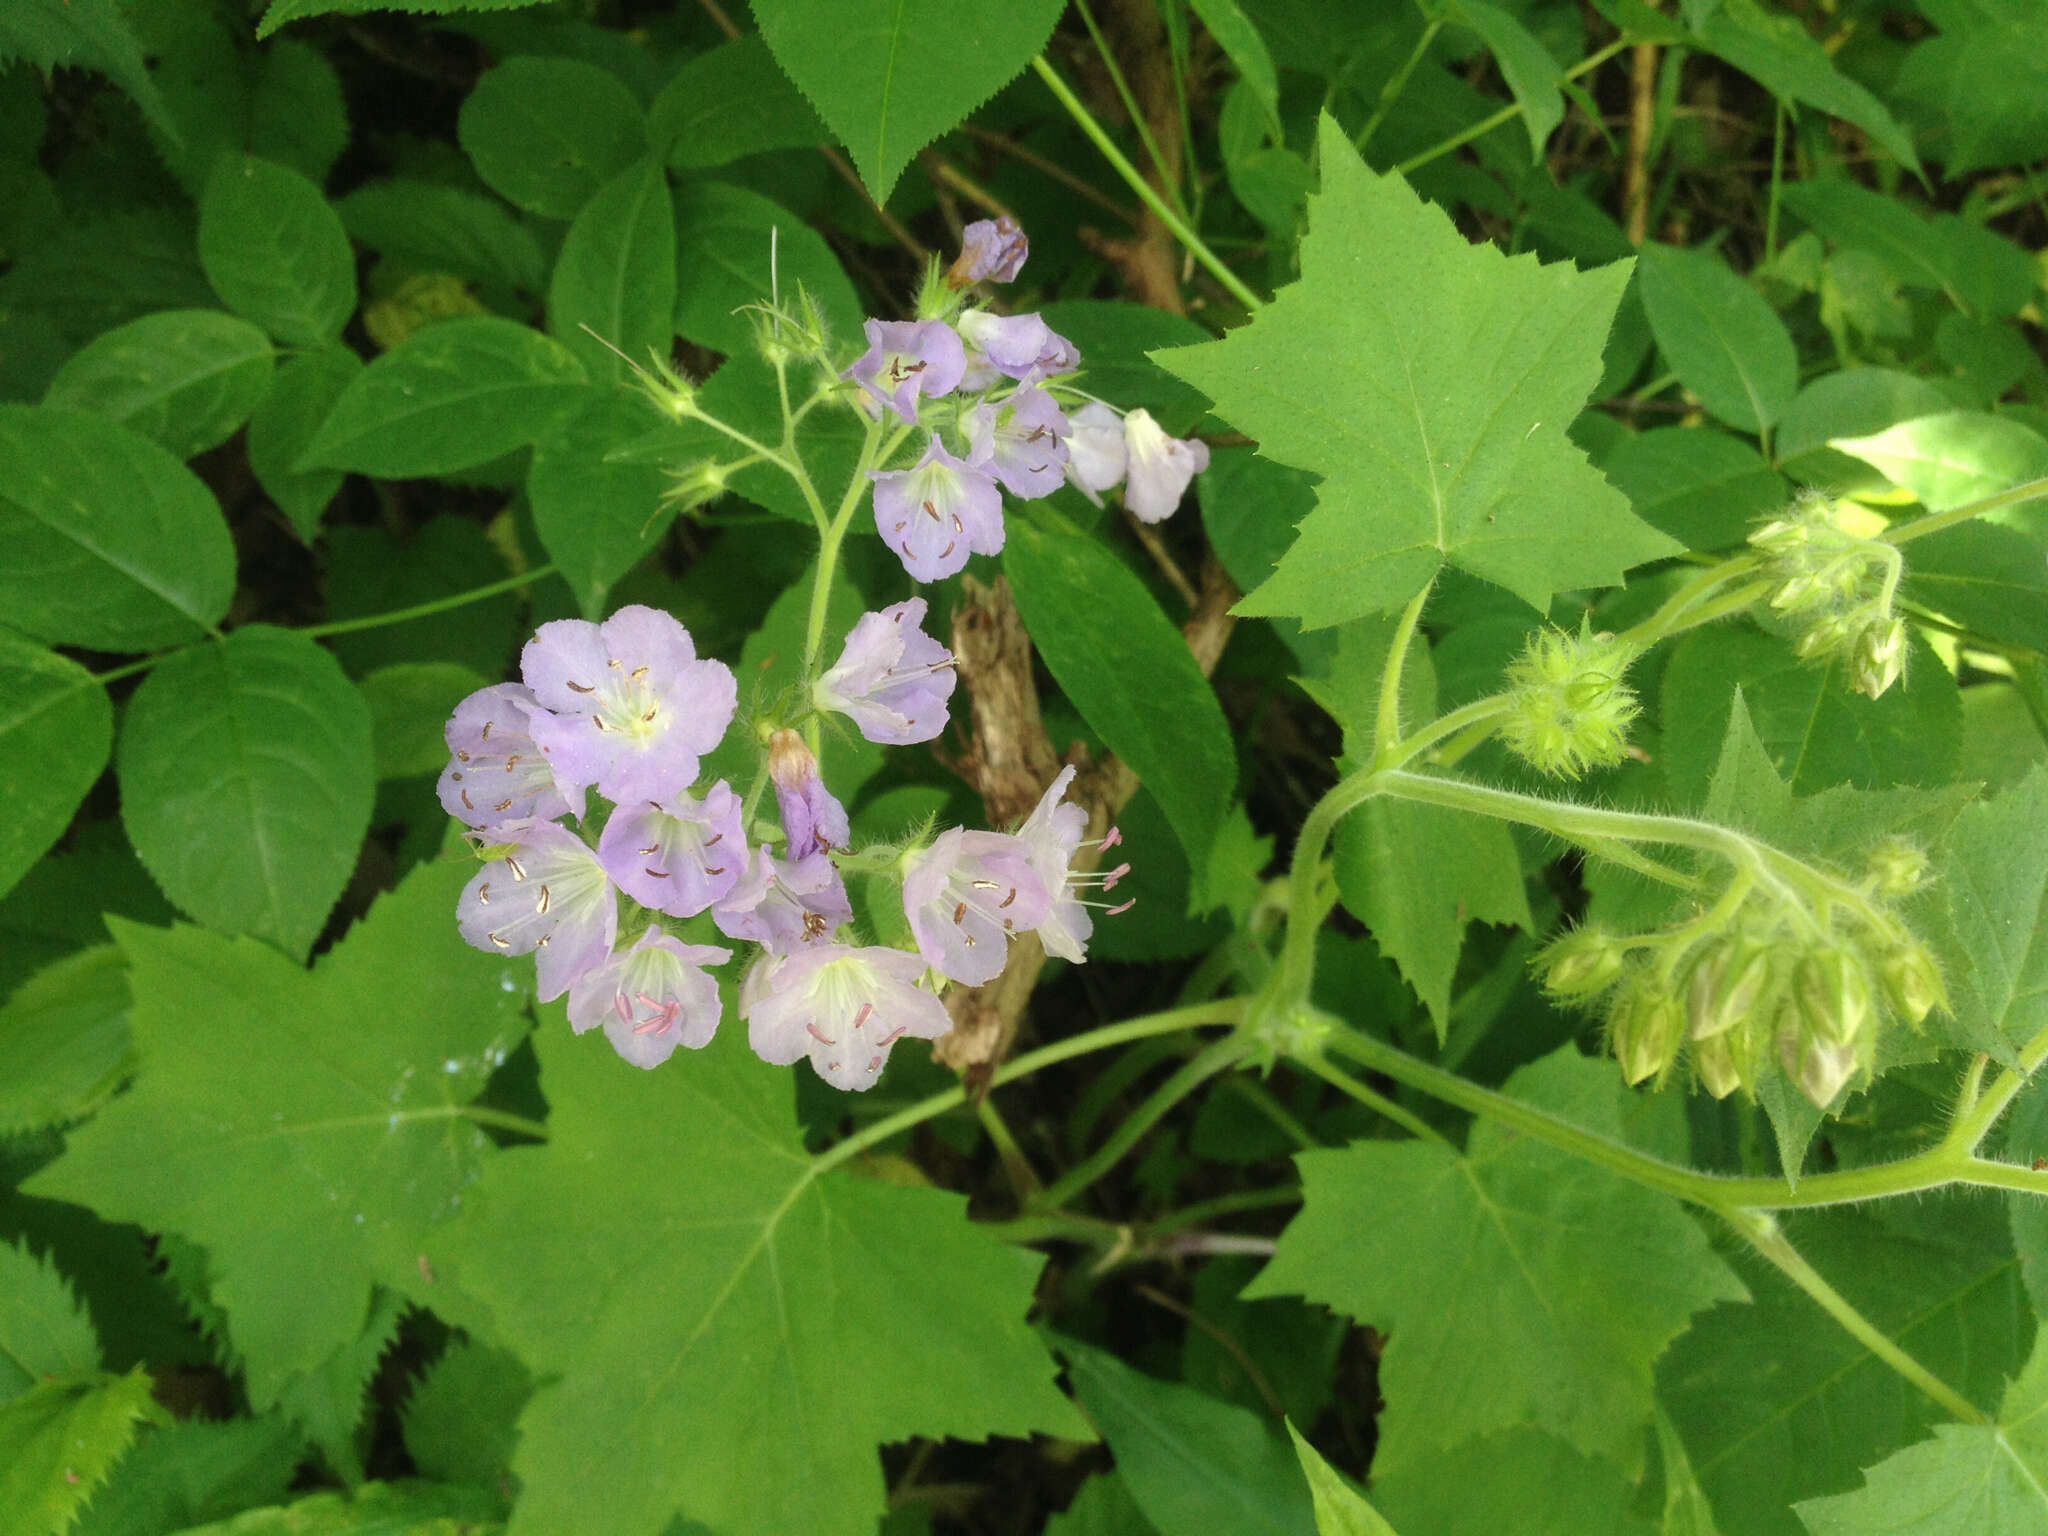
x=1508, y=113
x=1396, y=84
x=1386, y=736
x=1227, y=1011
x=1934, y=522
x=1196, y=246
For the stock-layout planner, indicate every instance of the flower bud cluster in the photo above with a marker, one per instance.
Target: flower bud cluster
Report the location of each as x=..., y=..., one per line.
x=1569, y=702
x=621, y=713
x=1838, y=588
x=1761, y=981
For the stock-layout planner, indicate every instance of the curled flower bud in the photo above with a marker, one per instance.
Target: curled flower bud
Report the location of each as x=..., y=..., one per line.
x=1898, y=867
x=813, y=820
x=1582, y=964
x=1160, y=467
x=892, y=678
x=1819, y=1068
x=938, y=512
x=651, y=998
x=1570, y=704
x=991, y=251
x=1721, y=1063
x=843, y=1007
x=1726, y=986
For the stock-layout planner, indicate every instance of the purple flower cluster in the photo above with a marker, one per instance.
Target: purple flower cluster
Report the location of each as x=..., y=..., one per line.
x=1017, y=436
x=626, y=709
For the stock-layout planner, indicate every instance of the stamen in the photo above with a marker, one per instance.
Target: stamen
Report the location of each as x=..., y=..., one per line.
x=1007, y=899
x=862, y=1017
x=579, y=687
x=612, y=662
x=891, y=1038
x=498, y=940
x=637, y=673
x=651, y=848
x=503, y=805
x=623, y=1008
x=931, y=511
x=598, y=721
x=970, y=940
x=648, y=716
x=467, y=803
x=714, y=869
x=959, y=912
x=658, y=874
x=483, y=894
x=461, y=757
x=1111, y=838
x=948, y=549
x=485, y=734
x=544, y=899
x=512, y=762
x=543, y=944
x=713, y=842
x=812, y=1030
x=958, y=526
x=1113, y=911
x=1109, y=880
x=518, y=870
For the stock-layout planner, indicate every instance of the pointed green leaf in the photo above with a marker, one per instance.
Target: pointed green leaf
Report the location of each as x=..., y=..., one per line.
x=56, y=730
x=186, y=378
x=301, y=397
x=1520, y=1481
x=1429, y=382
x=546, y=133
x=60, y=1439
x=1724, y=342
x=44, y=1332
x=597, y=518
x=457, y=394
x=734, y=247
x=1955, y=457
x=729, y=102
x=461, y=1422
x=1127, y=669
x=1990, y=579
x=319, y=1162
x=1706, y=489
x=890, y=76
x=64, y=1037
x=86, y=34
x=445, y=229
x=1239, y=39
x=111, y=542
x=1340, y=1509
x=1991, y=904
x=1525, y=64
x=275, y=251
x=409, y=1508
x=1517, y=1284
x=410, y=702
x=1980, y=272
x=184, y=1474
x=246, y=781
x=791, y=1322
x=617, y=274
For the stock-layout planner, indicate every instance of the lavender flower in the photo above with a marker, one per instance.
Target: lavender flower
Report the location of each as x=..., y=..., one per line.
x=813, y=820
x=892, y=678
x=966, y=895
x=651, y=998
x=1022, y=440
x=936, y=512
x=1017, y=346
x=784, y=905
x=905, y=359
x=991, y=250
x=497, y=776
x=1053, y=834
x=628, y=707
x=548, y=894
x=843, y=1007
x=679, y=856
x=1160, y=467
x=1096, y=455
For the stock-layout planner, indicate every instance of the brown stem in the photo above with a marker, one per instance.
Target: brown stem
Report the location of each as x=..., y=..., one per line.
x=1642, y=120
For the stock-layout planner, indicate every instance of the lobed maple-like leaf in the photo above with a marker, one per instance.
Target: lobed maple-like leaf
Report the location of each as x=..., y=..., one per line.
x=730, y=1335
x=1429, y=381
x=305, y=1127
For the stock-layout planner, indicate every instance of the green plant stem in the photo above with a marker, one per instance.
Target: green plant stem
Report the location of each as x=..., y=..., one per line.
x=1218, y=1056
x=504, y=1120
x=1306, y=904
x=831, y=535
x=1777, y=185
x=1396, y=84
x=1196, y=247
x=1024, y=1180
x=1975, y=1124
x=1934, y=522
x=1506, y=114
x=1130, y=101
x=1386, y=734
x=1763, y=1234
x=1223, y=1205
x=1378, y=1103
x=1283, y=1118
x=425, y=610
x=1470, y=716
x=1225, y=1011
x=1686, y=608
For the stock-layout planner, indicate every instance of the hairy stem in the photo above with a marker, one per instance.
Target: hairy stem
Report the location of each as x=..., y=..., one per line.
x=1934, y=522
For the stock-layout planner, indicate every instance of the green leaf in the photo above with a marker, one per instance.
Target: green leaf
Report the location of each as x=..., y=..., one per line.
x=371, y=572
x=1103, y=1507
x=57, y=908
x=1983, y=83
x=1991, y=904
x=1686, y=1510
x=1817, y=730
x=44, y=1332
x=1980, y=272
x=59, y=1440
x=327, y=1403
x=111, y=542
x=1241, y=44
x=457, y=394
x=597, y=518
x=86, y=34
x=725, y=238
x=1969, y=1479
x=1522, y=1481
x=1776, y=1404
x=319, y=1163
x=729, y=102
x=445, y=229
x=1126, y=668
x=1416, y=875
x=56, y=730
x=409, y=702
x=546, y=133
x=1194, y=1465
x=1851, y=403
x=187, y=1473
x=246, y=781
x=1443, y=378
x=890, y=76
x=461, y=1420
x=740, y=1301
x=1953, y=458
x=1704, y=488
x=1991, y=580
x=1724, y=342
x=298, y=116
x=375, y=1509
x=1525, y=64
x=1517, y=1284
x=301, y=398
x=64, y=1036
x=1340, y=1509
x=1116, y=342
x=275, y=251
x=186, y=378
x=1778, y=52
x=616, y=274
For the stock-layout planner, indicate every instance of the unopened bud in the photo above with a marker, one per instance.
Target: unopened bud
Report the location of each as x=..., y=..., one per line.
x=1718, y=1061
x=1647, y=1029
x=1824, y=1068
x=1913, y=984
x=1583, y=963
x=1569, y=703
x=1898, y=867
x=1825, y=638
x=1834, y=994
x=1879, y=658
x=691, y=488
x=1726, y=987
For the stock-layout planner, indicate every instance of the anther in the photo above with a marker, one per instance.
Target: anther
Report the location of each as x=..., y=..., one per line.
x=651, y=848
x=518, y=869
x=503, y=805
x=483, y=894
x=1007, y=899
x=1111, y=838
x=931, y=511
x=500, y=941
x=658, y=874
x=950, y=543
x=461, y=756
x=714, y=840
x=544, y=899
x=959, y=912
x=1113, y=911
x=624, y=1008
x=485, y=734
x=467, y=803
x=598, y=721
x=648, y=716
x=637, y=673
x=512, y=762
x=890, y=1039
x=714, y=869
x=861, y=1018
x=579, y=687
x=822, y=1039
